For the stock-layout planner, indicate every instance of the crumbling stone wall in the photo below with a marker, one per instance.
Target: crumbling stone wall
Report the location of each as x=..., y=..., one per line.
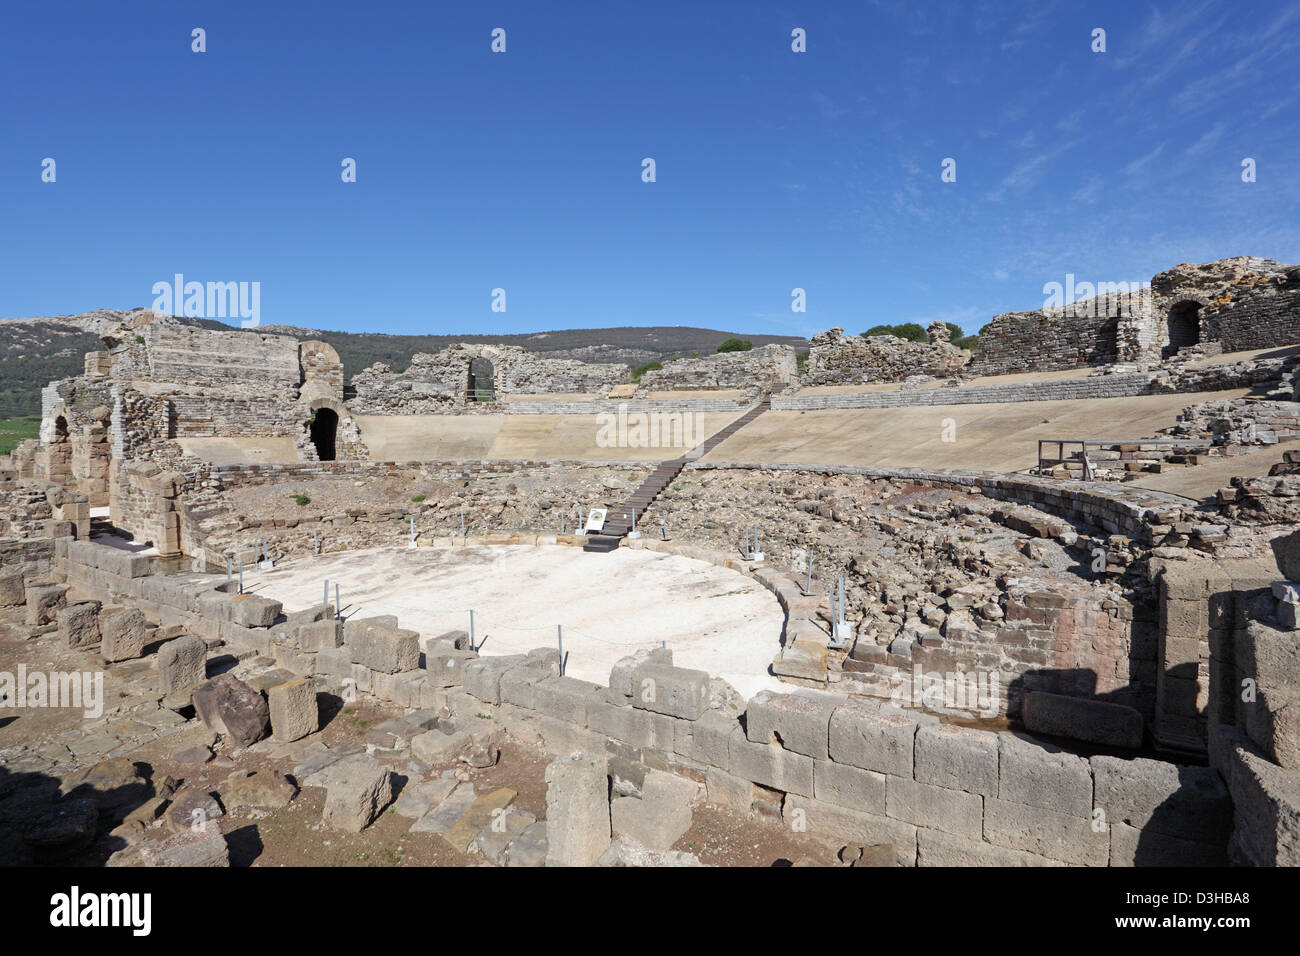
x=760, y=369
x=437, y=383
x=838, y=359
x=1240, y=303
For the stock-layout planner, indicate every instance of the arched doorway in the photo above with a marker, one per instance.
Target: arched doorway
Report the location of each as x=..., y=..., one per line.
x=482, y=384
x=324, y=431
x=1184, y=325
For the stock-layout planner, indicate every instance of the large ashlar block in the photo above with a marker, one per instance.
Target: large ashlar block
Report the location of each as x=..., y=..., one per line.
x=1039, y=774
x=870, y=740
x=958, y=758
x=799, y=721
x=675, y=691
x=577, y=809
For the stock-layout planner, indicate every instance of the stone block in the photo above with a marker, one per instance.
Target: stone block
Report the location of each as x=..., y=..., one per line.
x=577, y=809
x=711, y=738
x=317, y=636
x=725, y=790
x=1130, y=846
x=799, y=721
x=445, y=666
x=1038, y=774
x=182, y=663
x=675, y=691
x=1045, y=832
x=383, y=648
x=44, y=600
x=662, y=814
x=123, y=634
x=482, y=676
x=848, y=786
x=937, y=848
x=250, y=610
x=566, y=698
x=293, y=709
x=958, y=758
x=770, y=765
x=440, y=746
x=1093, y=721
x=518, y=685
x=230, y=707
x=79, y=624
x=828, y=822
x=620, y=675
x=937, y=808
x=1152, y=795
x=869, y=740
x=359, y=789
x=623, y=723
x=13, y=590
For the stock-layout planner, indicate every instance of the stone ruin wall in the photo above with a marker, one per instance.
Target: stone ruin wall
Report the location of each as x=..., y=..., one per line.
x=838, y=359
x=1245, y=303
x=937, y=793
x=438, y=383
x=756, y=370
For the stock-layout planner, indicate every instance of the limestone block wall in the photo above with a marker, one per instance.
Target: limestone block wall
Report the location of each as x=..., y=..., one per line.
x=1048, y=339
x=838, y=359
x=1263, y=317
x=760, y=369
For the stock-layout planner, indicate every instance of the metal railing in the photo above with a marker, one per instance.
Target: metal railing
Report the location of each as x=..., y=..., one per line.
x=1045, y=462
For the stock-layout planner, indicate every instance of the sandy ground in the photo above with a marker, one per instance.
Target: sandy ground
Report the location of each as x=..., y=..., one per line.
x=988, y=437
x=609, y=605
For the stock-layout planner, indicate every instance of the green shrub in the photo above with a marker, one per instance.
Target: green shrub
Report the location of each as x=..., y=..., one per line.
x=736, y=345
x=302, y=500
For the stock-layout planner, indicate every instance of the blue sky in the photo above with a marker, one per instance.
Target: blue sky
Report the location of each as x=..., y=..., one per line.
x=522, y=170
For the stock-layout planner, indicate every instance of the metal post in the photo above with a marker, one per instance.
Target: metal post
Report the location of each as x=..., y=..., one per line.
x=326, y=599
x=841, y=600
x=338, y=605
x=229, y=570
x=241, y=575
x=808, y=589
x=471, y=630
x=559, y=638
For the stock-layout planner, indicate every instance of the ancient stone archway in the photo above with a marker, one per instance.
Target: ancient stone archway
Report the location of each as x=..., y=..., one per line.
x=1183, y=324
x=482, y=380
x=324, y=433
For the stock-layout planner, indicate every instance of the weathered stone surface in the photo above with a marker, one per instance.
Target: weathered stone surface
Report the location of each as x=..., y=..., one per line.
x=232, y=708
x=123, y=634
x=182, y=663
x=189, y=848
x=958, y=758
x=1093, y=721
x=319, y=635
x=482, y=675
x=848, y=786
x=566, y=698
x=577, y=809
x=251, y=610
x=770, y=765
x=799, y=721
x=1038, y=774
x=193, y=808
x=293, y=709
x=261, y=790
x=1161, y=797
x=13, y=590
x=923, y=805
x=358, y=790
x=388, y=650
x=829, y=822
x=44, y=599
x=445, y=665
x=79, y=624
x=1130, y=846
x=441, y=745
x=867, y=739
x=1045, y=832
x=675, y=691
x=937, y=848
x=65, y=829
x=530, y=848
x=660, y=816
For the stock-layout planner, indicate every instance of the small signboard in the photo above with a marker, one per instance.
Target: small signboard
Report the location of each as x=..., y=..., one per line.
x=595, y=520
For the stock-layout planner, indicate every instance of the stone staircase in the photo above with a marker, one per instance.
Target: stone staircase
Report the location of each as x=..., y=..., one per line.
x=620, y=520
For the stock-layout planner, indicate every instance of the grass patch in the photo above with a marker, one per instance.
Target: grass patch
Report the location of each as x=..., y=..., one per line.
x=418, y=498
x=302, y=500
x=14, y=430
